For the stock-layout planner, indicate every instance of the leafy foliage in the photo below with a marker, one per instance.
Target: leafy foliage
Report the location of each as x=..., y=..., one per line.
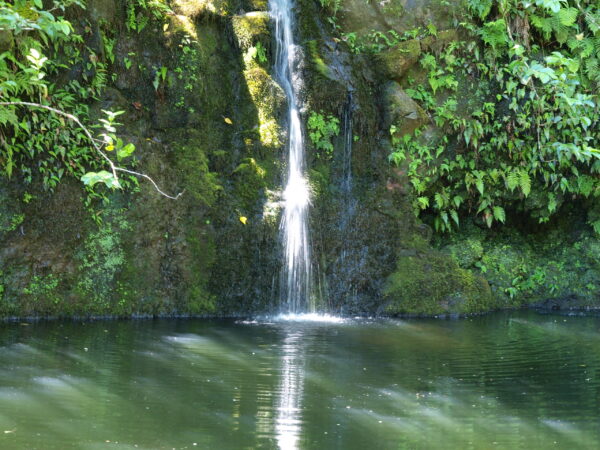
x=525, y=139
x=321, y=130
x=35, y=143
x=137, y=19
x=42, y=135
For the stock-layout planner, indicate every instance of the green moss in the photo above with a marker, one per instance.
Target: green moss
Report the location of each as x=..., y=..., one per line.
x=101, y=261
x=531, y=268
x=466, y=253
x=268, y=99
x=192, y=165
x=198, y=298
x=197, y=8
x=319, y=64
x=250, y=180
x=41, y=296
x=397, y=60
x=250, y=28
x=257, y=5
x=320, y=178
x=432, y=283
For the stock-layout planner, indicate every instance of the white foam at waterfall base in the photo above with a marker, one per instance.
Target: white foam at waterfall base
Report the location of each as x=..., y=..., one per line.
x=309, y=317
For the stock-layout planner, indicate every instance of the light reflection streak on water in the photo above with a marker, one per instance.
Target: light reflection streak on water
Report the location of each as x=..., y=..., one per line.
x=288, y=424
x=523, y=382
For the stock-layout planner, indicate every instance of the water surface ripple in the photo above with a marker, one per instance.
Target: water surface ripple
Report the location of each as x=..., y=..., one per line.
x=514, y=380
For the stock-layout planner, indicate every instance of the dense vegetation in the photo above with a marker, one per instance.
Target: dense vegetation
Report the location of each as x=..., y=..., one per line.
x=525, y=137
x=49, y=76
x=496, y=123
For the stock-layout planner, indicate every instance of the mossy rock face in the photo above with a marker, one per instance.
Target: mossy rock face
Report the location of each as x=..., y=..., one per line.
x=106, y=10
x=268, y=97
x=555, y=266
x=250, y=28
x=152, y=255
x=397, y=60
x=431, y=283
x=6, y=41
x=437, y=43
x=197, y=8
x=255, y=5
x=400, y=15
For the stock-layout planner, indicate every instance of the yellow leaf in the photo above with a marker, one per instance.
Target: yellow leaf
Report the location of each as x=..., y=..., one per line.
x=228, y=121
x=579, y=37
x=110, y=147
x=243, y=219
x=165, y=27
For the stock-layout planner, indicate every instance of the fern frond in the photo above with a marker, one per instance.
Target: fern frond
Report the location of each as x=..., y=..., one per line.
x=592, y=69
x=524, y=182
x=561, y=31
x=512, y=180
x=592, y=19
x=567, y=16
x=544, y=24
x=494, y=33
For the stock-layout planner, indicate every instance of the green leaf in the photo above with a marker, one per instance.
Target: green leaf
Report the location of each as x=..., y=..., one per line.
x=551, y=203
x=7, y=115
x=125, y=151
x=91, y=178
x=524, y=182
x=499, y=214
x=568, y=16
x=512, y=180
x=454, y=216
x=479, y=185
x=552, y=5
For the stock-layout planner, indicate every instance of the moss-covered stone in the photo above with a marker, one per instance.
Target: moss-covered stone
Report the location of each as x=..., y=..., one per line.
x=552, y=265
x=432, y=283
x=250, y=28
x=437, y=43
x=400, y=15
x=196, y=8
x=268, y=97
x=397, y=60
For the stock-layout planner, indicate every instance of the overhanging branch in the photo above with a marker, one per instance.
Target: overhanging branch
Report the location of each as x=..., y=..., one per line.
x=113, y=167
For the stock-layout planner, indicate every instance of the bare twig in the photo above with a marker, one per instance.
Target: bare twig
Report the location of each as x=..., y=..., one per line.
x=113, y=167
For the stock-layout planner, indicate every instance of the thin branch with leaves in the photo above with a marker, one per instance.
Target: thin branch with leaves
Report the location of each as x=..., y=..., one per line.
x=97, y=147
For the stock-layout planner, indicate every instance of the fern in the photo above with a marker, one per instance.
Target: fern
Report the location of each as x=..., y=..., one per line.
x=544, y=24
x=592, y=19
x=512, y=180
x=499, y=214
x=524, y=182
x=567, y=16
x=494, y=34
x=481, y=8
x=592, y=69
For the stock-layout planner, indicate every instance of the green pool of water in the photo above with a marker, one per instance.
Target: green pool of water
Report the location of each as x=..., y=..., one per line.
x=507, y=380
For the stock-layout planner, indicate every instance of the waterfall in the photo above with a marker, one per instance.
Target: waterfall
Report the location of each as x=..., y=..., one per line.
x=348, y=139
x=296, y=278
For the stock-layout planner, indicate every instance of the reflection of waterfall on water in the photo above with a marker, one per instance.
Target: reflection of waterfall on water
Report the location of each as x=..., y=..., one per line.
x=294, y=224
x=288, y=424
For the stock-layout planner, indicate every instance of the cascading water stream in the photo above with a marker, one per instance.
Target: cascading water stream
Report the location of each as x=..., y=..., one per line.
x=294, y=225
